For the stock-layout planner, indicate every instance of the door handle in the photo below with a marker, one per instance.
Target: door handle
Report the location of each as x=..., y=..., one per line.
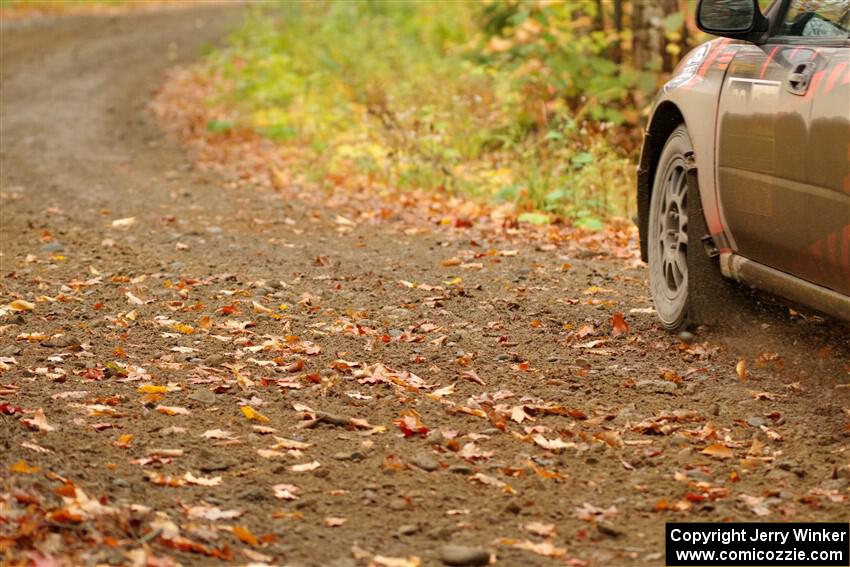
x=800, y=77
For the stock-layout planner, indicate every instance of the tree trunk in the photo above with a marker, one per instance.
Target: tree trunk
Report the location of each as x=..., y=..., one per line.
x=617, y=51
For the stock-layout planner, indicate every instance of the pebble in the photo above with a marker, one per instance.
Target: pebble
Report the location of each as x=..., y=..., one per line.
x=504, y=357
x=53, y=247
x=10, y=350
x=699, y=475
x=349, y=456
x=656, y=387
x=120, y=482
x=257, y=495
x=460, y=469
x=407, y=530
x=425, y=461
x=398, y=504
x=202, y=395
x=63, y=341
x=463, y=555
x=755, y=421
x=686, y=337
x=607, y=529
x=216, y=466
x=779, y=474
x=214, y=360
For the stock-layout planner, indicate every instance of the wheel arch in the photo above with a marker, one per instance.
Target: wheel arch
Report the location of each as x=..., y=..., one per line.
x=665, y=119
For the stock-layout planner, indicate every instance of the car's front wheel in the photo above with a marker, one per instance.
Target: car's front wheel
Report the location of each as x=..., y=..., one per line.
x=667, y=237
x=685, y=283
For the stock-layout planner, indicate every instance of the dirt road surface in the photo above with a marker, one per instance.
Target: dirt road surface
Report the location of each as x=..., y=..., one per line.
x=156, y=328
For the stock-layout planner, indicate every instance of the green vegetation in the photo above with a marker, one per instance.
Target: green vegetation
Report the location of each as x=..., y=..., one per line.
x=532, y=102
x=58, y=5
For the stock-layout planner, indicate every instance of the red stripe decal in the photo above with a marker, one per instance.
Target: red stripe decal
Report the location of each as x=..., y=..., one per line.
x=767, y=62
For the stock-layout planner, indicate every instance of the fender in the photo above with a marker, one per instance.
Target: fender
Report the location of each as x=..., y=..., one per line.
x=691, y=97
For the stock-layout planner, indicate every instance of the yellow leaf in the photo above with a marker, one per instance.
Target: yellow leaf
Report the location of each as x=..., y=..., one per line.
x=718, y=450
x=253, y=414
x=151, y=389
x=741, y=369
x=245, y=536
x=124, y=441
x=183, y=328
x=21, y=305
x=21, y=467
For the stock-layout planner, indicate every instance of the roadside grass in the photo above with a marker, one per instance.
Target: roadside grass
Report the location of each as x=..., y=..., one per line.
x=412, y=95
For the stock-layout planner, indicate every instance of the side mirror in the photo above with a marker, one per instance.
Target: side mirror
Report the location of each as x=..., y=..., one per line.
x=738, y=19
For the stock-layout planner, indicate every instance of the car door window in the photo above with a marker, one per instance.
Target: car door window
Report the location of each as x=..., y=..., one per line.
x=817, y=18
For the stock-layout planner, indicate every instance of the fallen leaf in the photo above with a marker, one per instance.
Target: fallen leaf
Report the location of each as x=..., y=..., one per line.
x=172, y=410
x=544, y=548
x=551, y=444
x=286, y=491
x=21, y=305
x=21, y=467
x=619, y=325
x=151, y=389
x=38, y=421
x=741, y=369
x=218, y=434
x=718, y=450
x=253, y=414
x=212, y=513
x=332, y=522
x=540, y=529
x=245, y=536
x=202, y=481
x=124, y=223
x=305, y=467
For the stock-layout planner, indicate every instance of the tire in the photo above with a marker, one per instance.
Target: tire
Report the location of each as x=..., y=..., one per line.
x=685, y=283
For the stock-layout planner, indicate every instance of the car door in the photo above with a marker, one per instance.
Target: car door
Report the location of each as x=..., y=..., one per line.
x=826, y=257
x=777, y=201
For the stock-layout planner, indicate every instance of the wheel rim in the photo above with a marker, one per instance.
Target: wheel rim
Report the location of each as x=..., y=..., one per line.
x=671, y=232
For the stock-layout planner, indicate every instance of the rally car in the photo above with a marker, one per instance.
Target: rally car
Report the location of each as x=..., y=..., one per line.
x=745, y=167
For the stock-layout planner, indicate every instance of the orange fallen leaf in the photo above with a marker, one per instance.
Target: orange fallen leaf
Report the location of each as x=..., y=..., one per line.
x=124, y=441
x=172, y=410
x=64, y=515
x=245, y=536
x=21, y=467
x=718, y=450
x=620, y=327
x=151, y=389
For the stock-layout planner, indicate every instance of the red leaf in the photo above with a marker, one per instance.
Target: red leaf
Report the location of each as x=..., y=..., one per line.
x=620, y=327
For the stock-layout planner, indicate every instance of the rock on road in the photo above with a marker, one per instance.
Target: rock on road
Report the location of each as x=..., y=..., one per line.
x=152, y=306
